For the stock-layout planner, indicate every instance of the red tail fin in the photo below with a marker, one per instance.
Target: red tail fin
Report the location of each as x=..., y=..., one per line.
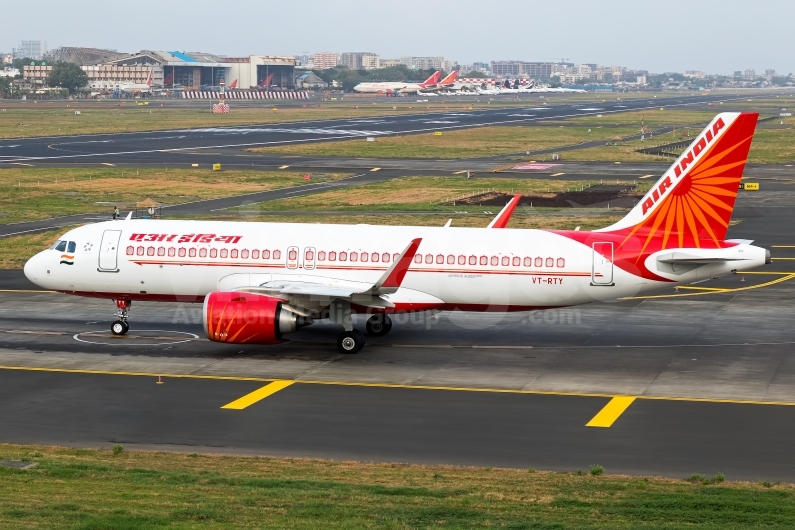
x=433, y=79
x=233, y=85
x=149, y=79
x=450, y=79
x=691, y=205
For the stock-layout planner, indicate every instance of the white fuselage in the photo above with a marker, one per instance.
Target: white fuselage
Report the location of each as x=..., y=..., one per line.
x=476, y=269
x=383, y=88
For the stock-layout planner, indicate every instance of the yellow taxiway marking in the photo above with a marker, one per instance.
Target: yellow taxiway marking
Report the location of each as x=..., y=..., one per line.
x=283, y=167
x=645, y=176
x=703, y=288
x=557, y=174
x=197, y=165
x=107, y=164
x=783, y=259
x=375, y=169
x=782, y=246
x=397, y=386
x=611, y=412
x=787, y=276
x=21, y=164
x=459, y=172
x=258, y=395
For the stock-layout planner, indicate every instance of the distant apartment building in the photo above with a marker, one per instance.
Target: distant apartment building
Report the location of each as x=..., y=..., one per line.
x=371, y=62
x=534, y=70
x=770, y=73
x=738, y=73
x=8, y=58
x=34, y=49
x=423, y=63
x=354, y=60
x=325, y=60
x=695, y=74
x=481, y=67
x=387, y=63
x=750, y=73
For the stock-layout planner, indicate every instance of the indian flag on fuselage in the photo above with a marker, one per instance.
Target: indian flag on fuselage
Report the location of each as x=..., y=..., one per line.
x=67, y=259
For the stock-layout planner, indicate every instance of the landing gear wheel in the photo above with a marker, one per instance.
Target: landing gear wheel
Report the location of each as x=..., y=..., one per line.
x=119, y=327
x=350, y=342
x=378, y=325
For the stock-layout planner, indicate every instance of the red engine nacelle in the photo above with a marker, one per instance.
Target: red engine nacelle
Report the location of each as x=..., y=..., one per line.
x=246, y=318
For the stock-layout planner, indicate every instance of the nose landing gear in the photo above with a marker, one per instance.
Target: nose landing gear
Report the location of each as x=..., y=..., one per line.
x=120, y=326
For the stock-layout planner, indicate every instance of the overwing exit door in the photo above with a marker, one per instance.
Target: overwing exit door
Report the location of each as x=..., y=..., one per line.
x=602, y=270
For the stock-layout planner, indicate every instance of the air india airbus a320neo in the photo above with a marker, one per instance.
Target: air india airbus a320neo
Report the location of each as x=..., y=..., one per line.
x=261, y=281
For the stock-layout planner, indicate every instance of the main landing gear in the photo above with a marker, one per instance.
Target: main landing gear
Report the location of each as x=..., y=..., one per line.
x=351, y=341
x=378, y=325
x=120, y=326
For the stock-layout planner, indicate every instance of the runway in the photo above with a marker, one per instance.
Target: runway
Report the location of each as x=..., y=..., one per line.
x=178, y=146
x=703, y=379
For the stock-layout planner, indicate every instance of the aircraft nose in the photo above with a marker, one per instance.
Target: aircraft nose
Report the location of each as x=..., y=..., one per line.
x=35, y=268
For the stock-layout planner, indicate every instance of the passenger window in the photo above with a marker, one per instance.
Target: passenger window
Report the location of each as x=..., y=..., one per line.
x=224, y=253
x=375, y=257
x=495, y=260
x=213, y=252
x=550, y=262
x=365, y=256
x=60, y=246
x=321, y=256
x=450, y=259
x=417, y=258
x=255, y=254
x=462, y=260
x=277, y=254
x=561, y=262
x=343, y=256
x=233, y=253
x=203, y=253
x=395, y=256
x=192, y=253
x=439, y=259
x=130, y=251
x=539, y=262
x=385, y=257
x=332, y=256
x=354, y=256
x=517, y=261
x=161, y=251
x=244, y=254
x=484, y=260
x=428, y=258
x=171, y=252
x=266, y=254
x=506, y=261
x=528, y=262
x=71, y=247
x=473, y=260
x=181, y=252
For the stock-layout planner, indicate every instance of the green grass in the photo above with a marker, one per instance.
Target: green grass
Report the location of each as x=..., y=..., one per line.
x=88, y=489
x=33, y=193
x=415, y=193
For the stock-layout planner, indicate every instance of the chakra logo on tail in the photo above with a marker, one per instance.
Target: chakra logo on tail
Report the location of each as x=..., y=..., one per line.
x=66, y=259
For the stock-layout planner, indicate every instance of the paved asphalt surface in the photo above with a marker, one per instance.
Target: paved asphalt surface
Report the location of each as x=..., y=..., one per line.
x=713, y=372
x=713, y=375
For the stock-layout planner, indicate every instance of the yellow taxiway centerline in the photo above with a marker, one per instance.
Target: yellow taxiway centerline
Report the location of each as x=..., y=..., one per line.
x=645, y=176
x=283, y=167
x=395, y=386
x=258, y=395
x=375, y=169
x=789, y=276
x=557, y=174
x=611, y=412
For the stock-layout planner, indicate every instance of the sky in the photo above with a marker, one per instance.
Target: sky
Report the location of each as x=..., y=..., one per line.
x=669, y=36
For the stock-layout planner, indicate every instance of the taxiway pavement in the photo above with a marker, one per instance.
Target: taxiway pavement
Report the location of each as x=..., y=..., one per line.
x=700, y=380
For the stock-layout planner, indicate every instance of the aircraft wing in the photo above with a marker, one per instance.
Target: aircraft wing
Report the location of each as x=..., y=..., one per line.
x=314, y=295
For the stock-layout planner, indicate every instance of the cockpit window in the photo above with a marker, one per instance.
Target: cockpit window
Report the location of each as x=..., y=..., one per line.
x=71, y=247
x=60, y=246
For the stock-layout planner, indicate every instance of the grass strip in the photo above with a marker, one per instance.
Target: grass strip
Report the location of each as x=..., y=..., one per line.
x=78, y=488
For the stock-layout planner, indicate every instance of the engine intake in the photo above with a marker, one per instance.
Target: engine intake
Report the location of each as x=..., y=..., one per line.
x=246, y=318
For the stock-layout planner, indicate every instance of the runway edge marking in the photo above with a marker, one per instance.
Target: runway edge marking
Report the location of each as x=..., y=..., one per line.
x=399, y=386
x=258, y=395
